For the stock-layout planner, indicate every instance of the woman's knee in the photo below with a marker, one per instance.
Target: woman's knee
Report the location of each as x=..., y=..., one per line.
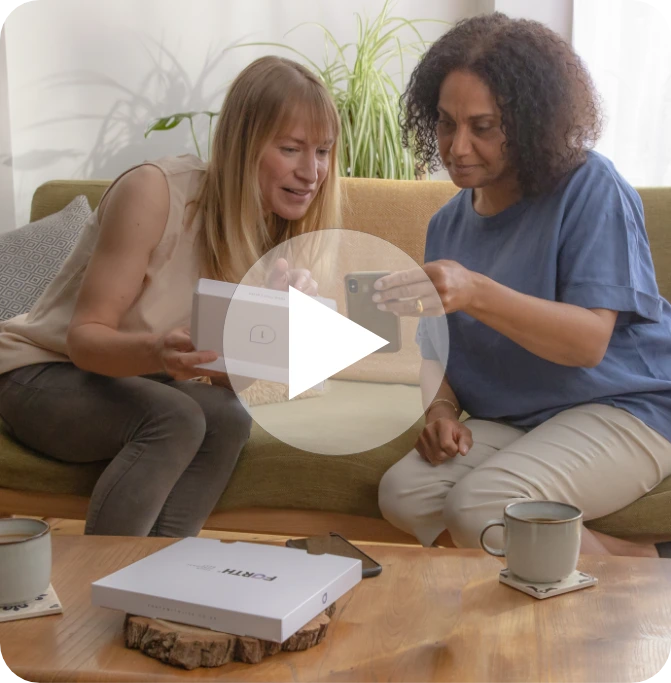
x=227, y=426
x=395, y=497
x=177, y=419
x=388, y=493
x=226, y=417
x=477, y=499
x=462, y=520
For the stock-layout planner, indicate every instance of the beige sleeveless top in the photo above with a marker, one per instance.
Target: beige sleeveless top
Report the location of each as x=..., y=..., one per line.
x=164, y=301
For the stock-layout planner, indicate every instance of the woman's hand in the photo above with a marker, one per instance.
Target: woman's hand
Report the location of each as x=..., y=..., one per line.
x=281, y=277
x=440, y=287
x=443, y=438
x=178, y=356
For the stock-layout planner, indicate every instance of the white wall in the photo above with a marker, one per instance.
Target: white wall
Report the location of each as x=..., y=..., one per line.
x=85, y=76
x=556, y=14
x=625, y=44
x=485, y=6
x=6, y=175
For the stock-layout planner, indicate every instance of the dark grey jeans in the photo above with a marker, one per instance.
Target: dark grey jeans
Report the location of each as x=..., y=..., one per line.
x=172, y=445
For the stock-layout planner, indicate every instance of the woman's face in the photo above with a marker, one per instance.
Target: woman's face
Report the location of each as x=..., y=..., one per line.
x=292, y=169
x=470, y=139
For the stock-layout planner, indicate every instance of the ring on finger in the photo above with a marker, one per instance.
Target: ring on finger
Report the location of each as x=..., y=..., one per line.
x=419, y=306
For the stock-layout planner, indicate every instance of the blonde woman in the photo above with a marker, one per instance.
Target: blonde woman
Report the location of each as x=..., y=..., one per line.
x=97, y=369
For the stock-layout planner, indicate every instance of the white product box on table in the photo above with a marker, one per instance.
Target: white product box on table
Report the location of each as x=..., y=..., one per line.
x=246, y=589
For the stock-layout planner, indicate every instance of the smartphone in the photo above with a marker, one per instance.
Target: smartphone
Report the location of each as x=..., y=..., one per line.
x=335, y=544
x=362, y=310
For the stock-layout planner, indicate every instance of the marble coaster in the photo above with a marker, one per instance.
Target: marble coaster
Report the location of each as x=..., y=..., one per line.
x=41, y=606
x=574, y=582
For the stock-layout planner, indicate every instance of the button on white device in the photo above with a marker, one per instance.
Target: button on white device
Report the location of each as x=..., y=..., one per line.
x=262, y=334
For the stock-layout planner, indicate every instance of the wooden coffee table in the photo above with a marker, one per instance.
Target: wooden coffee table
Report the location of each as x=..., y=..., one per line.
x=432, y=615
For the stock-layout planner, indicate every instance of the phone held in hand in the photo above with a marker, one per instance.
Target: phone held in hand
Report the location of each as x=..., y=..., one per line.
x=362, y=310
x=335, y=544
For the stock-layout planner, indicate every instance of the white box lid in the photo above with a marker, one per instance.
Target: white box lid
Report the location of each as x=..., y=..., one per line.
x=248, y=578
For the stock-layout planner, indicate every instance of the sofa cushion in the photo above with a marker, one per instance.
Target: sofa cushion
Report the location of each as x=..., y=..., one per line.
x=31, y=256
x=390, y=410
x=272, y=474
x=647, y=516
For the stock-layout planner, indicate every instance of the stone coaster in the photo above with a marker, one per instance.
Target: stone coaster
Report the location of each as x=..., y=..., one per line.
x=41, y=606
x=574, y=582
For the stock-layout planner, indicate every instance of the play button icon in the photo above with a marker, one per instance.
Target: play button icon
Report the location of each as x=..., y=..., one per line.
x=311, y=357
x=322, y=342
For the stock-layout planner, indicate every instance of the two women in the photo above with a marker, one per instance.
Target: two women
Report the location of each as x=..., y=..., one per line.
x=98, y=369
x=560, y=344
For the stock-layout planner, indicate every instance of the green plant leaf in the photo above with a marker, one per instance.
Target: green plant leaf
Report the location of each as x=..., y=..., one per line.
x=360, y=76
x=339, y=48
x=167, y=122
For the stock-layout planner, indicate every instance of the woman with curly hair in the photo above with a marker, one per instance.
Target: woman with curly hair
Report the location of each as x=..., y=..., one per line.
x=560, y=343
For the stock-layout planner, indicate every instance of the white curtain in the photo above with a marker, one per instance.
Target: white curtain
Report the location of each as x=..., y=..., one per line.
x=626, y=45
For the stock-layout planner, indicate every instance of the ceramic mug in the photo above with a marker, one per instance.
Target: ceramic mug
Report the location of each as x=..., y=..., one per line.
x=541, y=539
x=25, y=559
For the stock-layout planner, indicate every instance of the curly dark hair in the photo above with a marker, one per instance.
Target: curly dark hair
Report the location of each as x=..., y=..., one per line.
x=550, y=110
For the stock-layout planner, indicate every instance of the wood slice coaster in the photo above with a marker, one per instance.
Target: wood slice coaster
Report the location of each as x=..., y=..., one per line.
x=190, y=646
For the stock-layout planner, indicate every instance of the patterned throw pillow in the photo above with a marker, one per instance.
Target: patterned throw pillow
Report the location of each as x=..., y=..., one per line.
x=31, y=256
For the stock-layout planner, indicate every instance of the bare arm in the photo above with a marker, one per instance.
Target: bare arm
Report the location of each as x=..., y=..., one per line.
x=132, y=221
x=556, y=331
x=443, y=435
x=432, y=375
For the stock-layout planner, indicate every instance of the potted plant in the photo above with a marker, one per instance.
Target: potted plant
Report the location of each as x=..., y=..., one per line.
x=367, y=97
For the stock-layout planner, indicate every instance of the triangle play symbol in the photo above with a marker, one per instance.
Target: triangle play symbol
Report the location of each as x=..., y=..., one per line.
x=322, y=342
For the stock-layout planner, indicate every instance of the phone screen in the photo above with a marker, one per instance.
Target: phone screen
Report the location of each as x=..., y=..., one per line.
x=334, y=544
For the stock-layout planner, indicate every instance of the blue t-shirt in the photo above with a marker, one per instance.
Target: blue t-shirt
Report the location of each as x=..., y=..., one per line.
x=583, y=244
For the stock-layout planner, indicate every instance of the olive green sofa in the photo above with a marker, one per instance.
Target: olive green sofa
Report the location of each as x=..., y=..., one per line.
x=277, y=488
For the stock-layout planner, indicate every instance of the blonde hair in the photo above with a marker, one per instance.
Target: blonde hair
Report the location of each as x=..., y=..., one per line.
x=261, y=103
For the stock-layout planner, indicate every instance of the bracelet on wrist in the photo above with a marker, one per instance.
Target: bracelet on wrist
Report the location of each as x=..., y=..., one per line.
x=443, y=400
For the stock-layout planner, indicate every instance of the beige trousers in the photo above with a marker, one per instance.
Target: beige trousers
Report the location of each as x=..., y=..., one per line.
x=594, y=456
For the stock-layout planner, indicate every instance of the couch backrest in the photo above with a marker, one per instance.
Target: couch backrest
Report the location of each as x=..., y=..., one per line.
x=396, y=210
x=57, y=194
x=657, y=207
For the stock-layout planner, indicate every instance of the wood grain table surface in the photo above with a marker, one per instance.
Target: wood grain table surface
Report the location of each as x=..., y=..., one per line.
x=432, y=615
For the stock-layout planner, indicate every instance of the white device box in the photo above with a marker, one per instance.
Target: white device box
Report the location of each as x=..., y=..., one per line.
x=255, y=323
x=246, y=589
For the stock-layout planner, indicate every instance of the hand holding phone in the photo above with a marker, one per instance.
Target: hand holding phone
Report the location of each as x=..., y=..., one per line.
x=362, y=310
